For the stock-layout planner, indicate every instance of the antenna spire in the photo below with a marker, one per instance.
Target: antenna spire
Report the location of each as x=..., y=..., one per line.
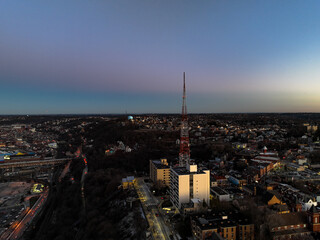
x=184, y=155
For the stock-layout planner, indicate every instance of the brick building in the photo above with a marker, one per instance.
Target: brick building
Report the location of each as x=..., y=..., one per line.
x=314, y=218
x=230, y=225
x=288, y=226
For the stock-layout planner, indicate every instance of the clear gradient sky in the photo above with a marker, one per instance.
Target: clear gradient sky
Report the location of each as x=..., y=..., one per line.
x=129, y=55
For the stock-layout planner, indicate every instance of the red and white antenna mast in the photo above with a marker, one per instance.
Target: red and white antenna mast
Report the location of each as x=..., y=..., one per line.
x=184, y=155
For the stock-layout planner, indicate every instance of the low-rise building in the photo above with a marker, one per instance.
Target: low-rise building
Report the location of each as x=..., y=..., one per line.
x=128, y=182
x=160, y=172
x=220, y=194
x=229, y=225
x=288, y=226
x=308, y=203
x=314, y=219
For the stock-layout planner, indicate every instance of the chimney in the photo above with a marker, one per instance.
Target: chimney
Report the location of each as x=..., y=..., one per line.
x=265, y=149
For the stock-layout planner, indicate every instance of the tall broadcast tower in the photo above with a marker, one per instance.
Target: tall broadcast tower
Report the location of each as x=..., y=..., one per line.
x=184, y=155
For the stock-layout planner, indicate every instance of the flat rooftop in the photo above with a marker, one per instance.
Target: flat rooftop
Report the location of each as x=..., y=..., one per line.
x=158, y=164
x=220, y=191
x=184, y=171
x=220, y=219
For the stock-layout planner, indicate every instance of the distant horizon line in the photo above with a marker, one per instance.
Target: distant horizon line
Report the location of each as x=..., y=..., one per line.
x=123, y=114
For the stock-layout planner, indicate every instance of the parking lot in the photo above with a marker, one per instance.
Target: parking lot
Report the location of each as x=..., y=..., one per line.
x=12, y=203
x=9, y=216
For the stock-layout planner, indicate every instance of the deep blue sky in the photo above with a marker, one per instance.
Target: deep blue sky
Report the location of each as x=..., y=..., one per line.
x=113, y=56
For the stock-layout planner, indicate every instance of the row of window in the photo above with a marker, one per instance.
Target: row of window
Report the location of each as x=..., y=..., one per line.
x=292, y=226
x=289, y=236
x=227, y=229
x=226, y=235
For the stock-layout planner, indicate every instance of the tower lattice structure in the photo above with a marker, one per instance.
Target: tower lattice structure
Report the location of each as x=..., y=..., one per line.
x=184, y=155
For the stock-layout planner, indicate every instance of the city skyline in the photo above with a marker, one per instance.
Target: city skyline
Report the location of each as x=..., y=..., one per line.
x=113, y=57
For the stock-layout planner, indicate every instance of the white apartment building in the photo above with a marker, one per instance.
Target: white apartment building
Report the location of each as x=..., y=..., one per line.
x=188, y=183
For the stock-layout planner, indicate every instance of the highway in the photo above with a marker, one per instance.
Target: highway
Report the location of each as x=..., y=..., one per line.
x=83, y=177
x=150, y=204
x=24, y=223
x=84, y=173
x=33, y=163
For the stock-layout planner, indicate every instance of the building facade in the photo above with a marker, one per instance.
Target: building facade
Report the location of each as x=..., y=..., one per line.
x=288, y=226
x=188, y=183
x=314, y=219
x=160, y=173
x=229, y=225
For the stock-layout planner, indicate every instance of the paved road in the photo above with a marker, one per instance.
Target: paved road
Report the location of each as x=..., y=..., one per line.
x=150, y=206
x=24, y=223
x=34, y=163
x=65, y=171
x=84, y=174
